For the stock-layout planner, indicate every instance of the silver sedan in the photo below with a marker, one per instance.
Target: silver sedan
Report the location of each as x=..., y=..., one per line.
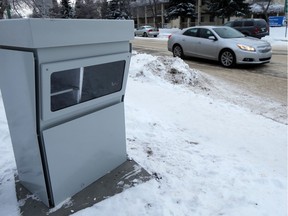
x=220, y=43
x=146, y=31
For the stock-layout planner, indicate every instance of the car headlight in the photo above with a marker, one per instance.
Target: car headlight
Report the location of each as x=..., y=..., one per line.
x=246, y=48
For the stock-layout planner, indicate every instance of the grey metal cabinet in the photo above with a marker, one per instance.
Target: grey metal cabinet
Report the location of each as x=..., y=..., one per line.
x=63, y=86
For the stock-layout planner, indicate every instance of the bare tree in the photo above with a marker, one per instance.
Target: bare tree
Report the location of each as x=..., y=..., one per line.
x=152, y=4
x=40, y=7
x=266, y=10
x=4, y=4
x=264, y=4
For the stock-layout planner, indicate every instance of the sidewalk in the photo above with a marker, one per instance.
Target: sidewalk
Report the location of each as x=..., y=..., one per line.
x=280, y=48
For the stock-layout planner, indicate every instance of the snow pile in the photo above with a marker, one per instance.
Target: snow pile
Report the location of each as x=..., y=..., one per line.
x=174, y=70
x=278, y=38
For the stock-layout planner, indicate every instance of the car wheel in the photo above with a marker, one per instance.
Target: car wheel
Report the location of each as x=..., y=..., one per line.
x=145, y=34
x=178, y=51
x=227, y=58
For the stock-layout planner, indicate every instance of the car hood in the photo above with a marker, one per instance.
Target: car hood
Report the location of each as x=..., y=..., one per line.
x=250, y=41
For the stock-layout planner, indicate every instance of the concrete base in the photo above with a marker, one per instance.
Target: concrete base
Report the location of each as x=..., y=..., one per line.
x=125, y=176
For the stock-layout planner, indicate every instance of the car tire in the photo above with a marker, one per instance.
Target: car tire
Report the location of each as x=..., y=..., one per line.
x=145, y=34
x=178, y=51
x=227, y=58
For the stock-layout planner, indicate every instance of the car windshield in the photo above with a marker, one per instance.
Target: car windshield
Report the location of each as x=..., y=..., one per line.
x=228, y=32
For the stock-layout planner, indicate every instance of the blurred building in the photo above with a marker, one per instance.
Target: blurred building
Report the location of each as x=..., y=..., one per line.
x=152, y=12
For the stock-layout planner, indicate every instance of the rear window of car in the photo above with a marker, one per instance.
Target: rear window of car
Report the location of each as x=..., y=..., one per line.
x=248, y=23
x=261, y=23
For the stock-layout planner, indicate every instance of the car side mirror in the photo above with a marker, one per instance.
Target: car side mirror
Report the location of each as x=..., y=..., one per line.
x=212, y=38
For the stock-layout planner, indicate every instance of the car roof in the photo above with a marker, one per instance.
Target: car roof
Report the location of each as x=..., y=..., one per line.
x=247, y=19
x=207, y=26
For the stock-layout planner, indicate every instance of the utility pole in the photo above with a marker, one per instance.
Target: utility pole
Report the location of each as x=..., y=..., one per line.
x=286, y=16
x=199, y=12
x=9, y=11
x=44, y=12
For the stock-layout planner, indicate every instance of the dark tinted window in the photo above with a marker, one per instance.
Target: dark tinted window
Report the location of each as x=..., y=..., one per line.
x=78, y=85
x=261, y=23
x=248, y=23
x=64, y=88
x=191, y=32
x=237, y=24
x=205, y=33
x=100, y=80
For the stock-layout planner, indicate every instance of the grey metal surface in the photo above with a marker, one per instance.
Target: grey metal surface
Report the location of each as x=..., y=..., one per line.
x=40, y=33
x=53, y=54
x=125, y=176
x=75, y=145
x=17, y=87
x=84, y=149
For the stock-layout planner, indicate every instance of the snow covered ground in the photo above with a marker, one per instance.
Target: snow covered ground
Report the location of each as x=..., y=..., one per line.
x=208, y=156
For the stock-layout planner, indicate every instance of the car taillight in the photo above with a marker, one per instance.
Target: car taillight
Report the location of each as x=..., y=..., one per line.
x=256, y=30
x=169, y=37
x=150, y=30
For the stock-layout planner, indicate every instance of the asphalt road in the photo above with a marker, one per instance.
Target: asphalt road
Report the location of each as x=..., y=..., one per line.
x=267, y=80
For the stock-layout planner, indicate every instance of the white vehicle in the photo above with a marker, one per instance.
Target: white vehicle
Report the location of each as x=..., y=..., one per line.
x=220, y=43
x=146, y=31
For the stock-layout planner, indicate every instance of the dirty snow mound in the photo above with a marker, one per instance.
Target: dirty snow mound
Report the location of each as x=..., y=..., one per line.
x=174, y=70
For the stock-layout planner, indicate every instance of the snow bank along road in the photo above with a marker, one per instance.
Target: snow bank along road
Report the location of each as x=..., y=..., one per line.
x=266, y=83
